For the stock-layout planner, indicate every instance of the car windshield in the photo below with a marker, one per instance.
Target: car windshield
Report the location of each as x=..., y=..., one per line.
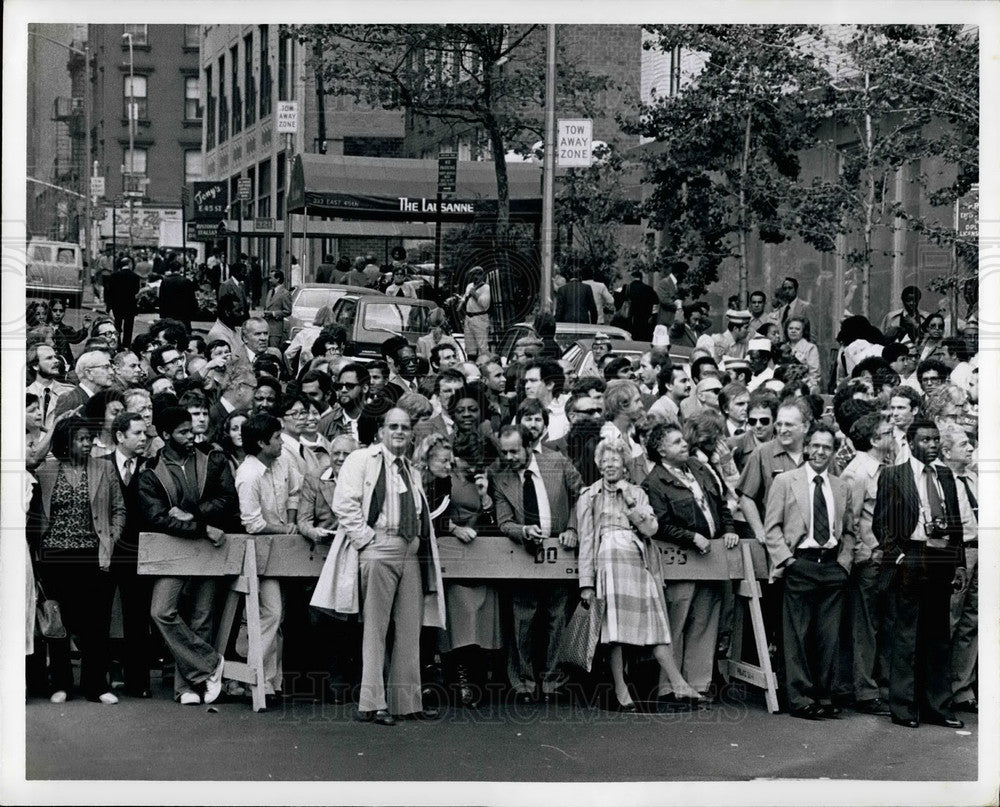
x=395, y=317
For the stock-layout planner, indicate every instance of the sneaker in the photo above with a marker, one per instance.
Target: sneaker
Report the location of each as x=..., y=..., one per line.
x=213, y=686
x=59, y=696
x=108, y=698
x=190, y=699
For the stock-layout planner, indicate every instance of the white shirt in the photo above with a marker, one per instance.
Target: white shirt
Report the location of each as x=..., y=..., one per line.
x=902, y=446
x=924, y=513
x=544, y=511
x=395, y=485
x=665, y=406
x=810, y=541
x=121, y=459
x=267, y=494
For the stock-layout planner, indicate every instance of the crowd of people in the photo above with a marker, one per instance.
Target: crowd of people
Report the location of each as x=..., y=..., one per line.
x=865, y=498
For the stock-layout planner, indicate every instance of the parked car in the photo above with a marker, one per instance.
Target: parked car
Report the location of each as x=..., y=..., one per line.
x=371, y=319
x=54, y=269
x=566, y=334
x=309, y=298
x=580, y=355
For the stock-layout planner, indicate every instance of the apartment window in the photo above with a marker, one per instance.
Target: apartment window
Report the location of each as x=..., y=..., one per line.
x=192, y=36
x=223, y=103
x=249, y=86
x=140, y=35
x=192, y=98
x=283, y=93
x=210, y=121
x=264, y=190
x=134, y=89
x=192, y=165
x=134, y=161
x=265, y=72
x=236, y=95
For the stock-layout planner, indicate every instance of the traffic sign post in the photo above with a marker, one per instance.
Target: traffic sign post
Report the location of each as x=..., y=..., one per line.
x=575, y=139
x=97, y=187
x=287, y=117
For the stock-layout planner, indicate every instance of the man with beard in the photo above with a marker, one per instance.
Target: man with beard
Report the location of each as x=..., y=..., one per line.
x=533, y=419
x=191, y=495
x=357, y=419
x=586, y=417
x=44, y=361
x=918, y=522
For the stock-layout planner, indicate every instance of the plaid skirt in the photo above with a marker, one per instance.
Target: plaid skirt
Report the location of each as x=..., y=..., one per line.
x=636, y=612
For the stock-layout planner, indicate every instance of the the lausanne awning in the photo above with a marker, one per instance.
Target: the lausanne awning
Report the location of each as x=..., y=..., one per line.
x=396, y=189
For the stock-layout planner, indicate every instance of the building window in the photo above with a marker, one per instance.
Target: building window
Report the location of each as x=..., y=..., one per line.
x=265, y=73
x=192, y=98
x=264, y=190
x=283, y=93
x=134, y=89
x=235, y=94
x=134, y=161
x=192, y=36
x=192, y=165
x=210, y=121
x=249, y=88
x=223, y=103
x=140, y=35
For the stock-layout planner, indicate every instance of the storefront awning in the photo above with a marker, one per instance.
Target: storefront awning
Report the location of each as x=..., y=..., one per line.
x=395, y=189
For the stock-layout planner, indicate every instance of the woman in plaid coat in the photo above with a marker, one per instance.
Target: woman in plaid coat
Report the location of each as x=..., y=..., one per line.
x=619, y=564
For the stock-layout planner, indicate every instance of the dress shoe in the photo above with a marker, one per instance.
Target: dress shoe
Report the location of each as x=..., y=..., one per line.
x=875, y=706
x=59, y=696
x=190, y=699
x=380, y=717
x=966, y=706
x=811, y=712
x=948, y=722
x=902, y=721
x=107, y=698
x=828, y=710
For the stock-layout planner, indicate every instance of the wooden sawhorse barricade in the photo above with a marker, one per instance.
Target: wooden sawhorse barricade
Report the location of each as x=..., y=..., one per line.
x=247, y=558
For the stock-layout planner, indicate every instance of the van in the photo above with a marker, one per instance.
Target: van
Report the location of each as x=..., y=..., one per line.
x=54, y=269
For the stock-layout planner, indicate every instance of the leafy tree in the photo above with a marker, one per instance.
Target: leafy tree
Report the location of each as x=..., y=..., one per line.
x=727, y=163
x=905, y=92
x=462, y=77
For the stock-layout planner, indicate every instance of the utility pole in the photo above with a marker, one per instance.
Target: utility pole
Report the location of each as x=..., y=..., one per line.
x=548, y=170
x=132, y=120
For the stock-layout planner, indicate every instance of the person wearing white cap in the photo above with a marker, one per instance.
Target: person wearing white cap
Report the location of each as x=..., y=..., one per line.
x=732, y=341
x=761, y=361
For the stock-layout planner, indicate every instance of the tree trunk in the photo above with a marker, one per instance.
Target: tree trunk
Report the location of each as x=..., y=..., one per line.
x=866, y=266
x=505, y=312
x=744, y=273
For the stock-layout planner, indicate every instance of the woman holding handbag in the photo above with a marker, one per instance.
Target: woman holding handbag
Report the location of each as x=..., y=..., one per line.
x=81, y=517
x=619, y=564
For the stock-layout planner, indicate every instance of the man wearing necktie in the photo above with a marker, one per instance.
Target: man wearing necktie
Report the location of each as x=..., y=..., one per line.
x=918, y=521
x=810, y=532
x=129, y=430
x=535, y=497
x=380, y=504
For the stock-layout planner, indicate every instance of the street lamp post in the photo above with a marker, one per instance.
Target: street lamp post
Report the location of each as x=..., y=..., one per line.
x=132, y=119
x=84, y=169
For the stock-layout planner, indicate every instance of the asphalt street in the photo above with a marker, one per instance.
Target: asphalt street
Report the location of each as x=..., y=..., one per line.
x=158, y=739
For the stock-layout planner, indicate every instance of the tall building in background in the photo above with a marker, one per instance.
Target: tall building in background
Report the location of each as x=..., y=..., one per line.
x=55, y=154
x=160, y=74
x=246, y=71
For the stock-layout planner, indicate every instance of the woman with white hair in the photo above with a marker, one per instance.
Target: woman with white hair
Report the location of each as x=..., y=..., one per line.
x=619, y=563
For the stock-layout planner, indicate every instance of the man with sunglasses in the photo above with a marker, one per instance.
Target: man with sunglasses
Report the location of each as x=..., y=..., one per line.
x=761, y=411
x=382, y=510
x=351, y=389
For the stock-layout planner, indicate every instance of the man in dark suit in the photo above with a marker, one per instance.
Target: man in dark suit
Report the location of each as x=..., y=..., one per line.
x=809, y=532
x=121, y=289
x=918, y=522
x=236, y=285
x=177, y=299
x=129, y=430
x=575, y=301
x=535, y=496
x=93, y=369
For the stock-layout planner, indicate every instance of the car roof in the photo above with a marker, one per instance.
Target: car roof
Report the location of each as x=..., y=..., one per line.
x=334, y=287
x=584, y=328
